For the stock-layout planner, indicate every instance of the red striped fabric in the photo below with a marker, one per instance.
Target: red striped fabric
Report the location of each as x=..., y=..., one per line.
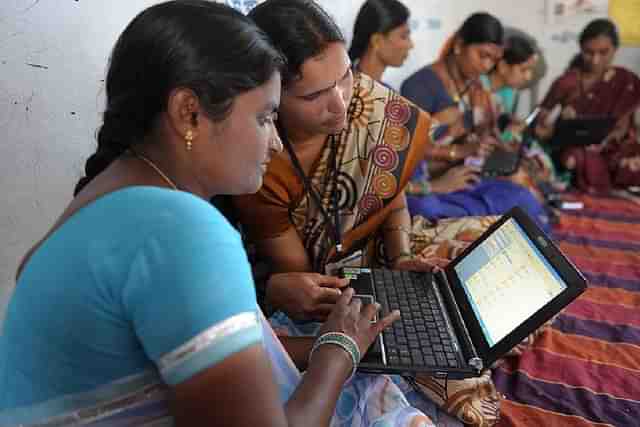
x=584, y=371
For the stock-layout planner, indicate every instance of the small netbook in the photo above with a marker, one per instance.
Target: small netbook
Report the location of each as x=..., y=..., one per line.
x=581, y=132
x=458, y=321
x=504, y=162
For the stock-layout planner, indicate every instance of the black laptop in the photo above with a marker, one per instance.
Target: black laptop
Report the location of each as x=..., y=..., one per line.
x=503, y=162
x=582, y=131
x=458, y=321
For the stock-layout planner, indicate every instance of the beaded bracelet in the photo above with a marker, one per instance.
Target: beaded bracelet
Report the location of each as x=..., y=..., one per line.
x=452, y=153
x=343, y=341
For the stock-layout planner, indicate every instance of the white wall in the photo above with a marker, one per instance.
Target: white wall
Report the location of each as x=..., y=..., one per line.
x=49, y=110
x=433, y=21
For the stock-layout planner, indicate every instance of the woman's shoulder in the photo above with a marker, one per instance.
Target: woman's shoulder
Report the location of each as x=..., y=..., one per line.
x=425, y=74
x=388, y=103
x=160, y=202
x=624, y=70
x=366, y=88
x=427, y=89
x=622, y=73
x=569, y=79
x=151, y=210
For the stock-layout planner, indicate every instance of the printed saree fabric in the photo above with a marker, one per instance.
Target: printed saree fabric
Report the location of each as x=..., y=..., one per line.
x=472, y=112
x=385, y=138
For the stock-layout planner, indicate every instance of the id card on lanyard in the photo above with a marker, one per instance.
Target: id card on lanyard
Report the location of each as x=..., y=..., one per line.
x=352, y=260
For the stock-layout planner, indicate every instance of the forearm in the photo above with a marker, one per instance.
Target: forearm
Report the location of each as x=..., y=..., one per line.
x=543, y=126
x=442, y=152
x=314, y=400
x=623, y=125
x=438, y=185
x=396, y=230
x=299, y=349
x=285, y=253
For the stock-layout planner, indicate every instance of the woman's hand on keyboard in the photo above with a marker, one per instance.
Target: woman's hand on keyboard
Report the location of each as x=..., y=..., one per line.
x=351, y=318
x=304, y=296
x=419, y=263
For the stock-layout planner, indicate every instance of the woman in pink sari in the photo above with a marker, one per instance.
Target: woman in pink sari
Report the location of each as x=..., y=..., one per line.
x=593, y=87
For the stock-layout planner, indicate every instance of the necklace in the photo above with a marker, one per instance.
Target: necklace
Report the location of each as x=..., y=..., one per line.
x=155, y=168
x=585, y=89
x=458, y=98
x=459, y=95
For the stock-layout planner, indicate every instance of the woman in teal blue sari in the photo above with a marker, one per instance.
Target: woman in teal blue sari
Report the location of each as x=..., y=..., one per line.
x=138, y=307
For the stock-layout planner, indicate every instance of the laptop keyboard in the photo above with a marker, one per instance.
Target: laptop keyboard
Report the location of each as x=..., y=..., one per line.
x=421, y=336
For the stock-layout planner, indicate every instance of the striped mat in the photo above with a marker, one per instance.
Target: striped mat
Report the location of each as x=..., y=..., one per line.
x=584, y=371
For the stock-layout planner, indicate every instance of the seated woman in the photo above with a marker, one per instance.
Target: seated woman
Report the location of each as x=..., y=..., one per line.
x=351, y=145
x=381, y=37
x=513, y=72
x=450, y=89
x=624, y=158
x=335, y=197
x=593, y=87
x=147, y=316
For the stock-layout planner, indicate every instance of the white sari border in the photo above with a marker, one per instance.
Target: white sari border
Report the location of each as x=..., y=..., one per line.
x=224, y=329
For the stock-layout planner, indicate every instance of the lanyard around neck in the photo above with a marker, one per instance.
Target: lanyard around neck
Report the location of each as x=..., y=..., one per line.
x=308, y=187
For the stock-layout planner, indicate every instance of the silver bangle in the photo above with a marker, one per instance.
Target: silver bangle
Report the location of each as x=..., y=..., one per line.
x=343, y=341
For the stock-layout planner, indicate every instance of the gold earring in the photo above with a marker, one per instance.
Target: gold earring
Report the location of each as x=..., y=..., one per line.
x=189, y=139
x=277, y=144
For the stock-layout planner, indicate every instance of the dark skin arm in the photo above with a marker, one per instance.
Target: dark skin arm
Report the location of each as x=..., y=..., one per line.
x=285, y=253
x=217, y=396
x=397, y=239
x=297, y=291
x=304, y=296
x=298, y=349
x=543, y=130
x=396, y=228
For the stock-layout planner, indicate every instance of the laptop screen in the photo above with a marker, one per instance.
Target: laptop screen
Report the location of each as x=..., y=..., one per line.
x=506, y=280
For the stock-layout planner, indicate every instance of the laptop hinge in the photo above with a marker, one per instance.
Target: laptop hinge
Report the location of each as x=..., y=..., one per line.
x=469, y=349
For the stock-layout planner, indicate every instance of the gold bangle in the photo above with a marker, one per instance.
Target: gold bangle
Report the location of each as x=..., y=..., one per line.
x=452, y=153
x=402, y=254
